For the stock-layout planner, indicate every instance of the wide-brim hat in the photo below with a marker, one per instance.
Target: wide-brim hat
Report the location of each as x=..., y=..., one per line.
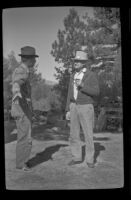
x=81, y=56
x=28, y=52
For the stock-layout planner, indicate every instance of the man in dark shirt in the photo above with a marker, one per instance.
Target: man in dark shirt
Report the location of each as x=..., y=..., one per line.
x=22, y=106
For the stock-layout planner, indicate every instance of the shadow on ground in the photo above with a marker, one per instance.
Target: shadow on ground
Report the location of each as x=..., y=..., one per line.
x=98, y=149
x=49, y=151
x=41, y=134
x=101, y=138
x=44, y=155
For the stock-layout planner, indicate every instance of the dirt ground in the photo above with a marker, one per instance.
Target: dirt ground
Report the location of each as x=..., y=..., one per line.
x=51, y=171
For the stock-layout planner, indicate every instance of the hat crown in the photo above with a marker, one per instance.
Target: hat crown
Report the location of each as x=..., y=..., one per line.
x=28, y=51
x=81, y=55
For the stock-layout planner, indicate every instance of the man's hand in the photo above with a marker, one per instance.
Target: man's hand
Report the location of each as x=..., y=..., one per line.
x=15, y=99
x=68, y=115
x=80, y=86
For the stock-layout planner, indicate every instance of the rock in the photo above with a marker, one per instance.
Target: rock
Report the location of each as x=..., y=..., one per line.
x=55, y=129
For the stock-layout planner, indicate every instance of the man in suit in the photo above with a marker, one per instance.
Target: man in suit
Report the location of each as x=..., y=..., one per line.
x=83, y=87
x=22, y=106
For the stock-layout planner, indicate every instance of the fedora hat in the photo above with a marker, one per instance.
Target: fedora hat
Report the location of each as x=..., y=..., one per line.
x=28, y=52
x=81, y=56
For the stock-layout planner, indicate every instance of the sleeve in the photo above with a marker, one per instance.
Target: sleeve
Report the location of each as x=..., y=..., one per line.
x=16, y=91
x=20, y=75
x=91, y=86
x=18, y=78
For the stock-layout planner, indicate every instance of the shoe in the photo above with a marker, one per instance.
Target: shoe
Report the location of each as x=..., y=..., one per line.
x=25, y=168
x=90, y=165
x=73, y=162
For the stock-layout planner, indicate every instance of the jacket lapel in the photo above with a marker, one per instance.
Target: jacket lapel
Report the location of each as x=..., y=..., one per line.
x=72, y=79
x=85, y=76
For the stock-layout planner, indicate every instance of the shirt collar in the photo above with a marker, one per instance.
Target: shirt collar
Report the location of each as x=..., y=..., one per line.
x=82, y=70
x=25, y=67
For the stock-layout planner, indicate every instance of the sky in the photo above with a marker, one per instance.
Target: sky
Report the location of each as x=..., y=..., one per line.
x=37, y=27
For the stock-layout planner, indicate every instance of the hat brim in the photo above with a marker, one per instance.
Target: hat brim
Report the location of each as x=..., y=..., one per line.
x=76, y=59
x=27, y=56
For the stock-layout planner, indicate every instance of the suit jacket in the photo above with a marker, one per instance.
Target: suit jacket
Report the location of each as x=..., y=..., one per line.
x=87, y=93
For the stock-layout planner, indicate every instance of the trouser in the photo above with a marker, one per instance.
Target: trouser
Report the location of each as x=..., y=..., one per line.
x=24, y=142
x=82, y=115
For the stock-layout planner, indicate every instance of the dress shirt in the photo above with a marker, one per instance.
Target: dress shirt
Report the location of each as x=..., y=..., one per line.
x=77, y=79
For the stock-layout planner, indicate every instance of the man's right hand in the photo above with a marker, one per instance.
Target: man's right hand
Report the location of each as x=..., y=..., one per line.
x=17, y=96
x=68, y=115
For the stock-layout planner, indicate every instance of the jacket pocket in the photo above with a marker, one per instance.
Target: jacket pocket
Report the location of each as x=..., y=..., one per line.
x=72, y=106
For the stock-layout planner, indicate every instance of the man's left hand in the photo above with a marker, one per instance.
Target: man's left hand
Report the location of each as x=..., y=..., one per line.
x=80, y=86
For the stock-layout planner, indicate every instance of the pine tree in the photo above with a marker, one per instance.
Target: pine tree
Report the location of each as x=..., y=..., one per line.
x=101, y=37
x=69, y=40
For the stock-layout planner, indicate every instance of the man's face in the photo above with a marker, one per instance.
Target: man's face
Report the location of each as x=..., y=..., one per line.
x=31, y=62
x=79, y=64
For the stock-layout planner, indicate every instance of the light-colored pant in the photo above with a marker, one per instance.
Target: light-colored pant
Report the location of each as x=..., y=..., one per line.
x=82, y=115
x=24, y=142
